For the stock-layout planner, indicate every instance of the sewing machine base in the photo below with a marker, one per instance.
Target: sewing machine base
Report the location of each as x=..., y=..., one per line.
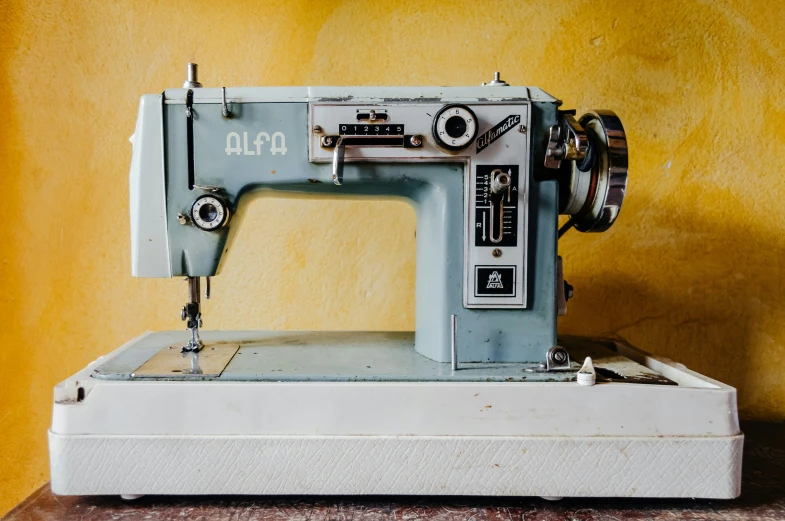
x=476, y=431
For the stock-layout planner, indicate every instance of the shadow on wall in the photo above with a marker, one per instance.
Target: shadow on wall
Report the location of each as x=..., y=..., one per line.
x=708, y=305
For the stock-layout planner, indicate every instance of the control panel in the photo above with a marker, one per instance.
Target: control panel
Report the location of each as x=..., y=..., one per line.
x=489, y=139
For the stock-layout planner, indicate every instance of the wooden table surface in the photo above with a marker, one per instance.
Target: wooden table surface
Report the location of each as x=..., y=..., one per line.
x=762, y=499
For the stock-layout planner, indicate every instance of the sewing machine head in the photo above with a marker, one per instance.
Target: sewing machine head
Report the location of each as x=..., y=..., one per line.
x=488, y=169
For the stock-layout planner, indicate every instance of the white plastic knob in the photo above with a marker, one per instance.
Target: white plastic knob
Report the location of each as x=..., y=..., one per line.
x=586, y=375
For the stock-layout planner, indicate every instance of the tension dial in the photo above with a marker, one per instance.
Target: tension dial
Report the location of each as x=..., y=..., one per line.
x=454, y=127
x=209, y=212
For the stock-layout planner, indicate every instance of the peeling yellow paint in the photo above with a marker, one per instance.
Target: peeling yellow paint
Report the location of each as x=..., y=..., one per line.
x=691, y=271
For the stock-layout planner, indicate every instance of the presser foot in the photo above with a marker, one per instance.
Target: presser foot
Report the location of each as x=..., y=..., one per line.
x=195, y=344
x=192, y=348
x=192, y=315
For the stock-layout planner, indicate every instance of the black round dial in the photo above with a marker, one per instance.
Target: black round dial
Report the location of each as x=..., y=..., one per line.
x=210, y=212
x=454, y=127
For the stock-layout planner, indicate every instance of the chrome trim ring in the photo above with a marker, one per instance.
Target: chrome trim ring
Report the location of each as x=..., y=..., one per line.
x=439, y=128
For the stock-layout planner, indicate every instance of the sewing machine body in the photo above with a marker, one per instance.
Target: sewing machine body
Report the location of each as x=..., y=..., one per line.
x=517, y=323
x=481, y=399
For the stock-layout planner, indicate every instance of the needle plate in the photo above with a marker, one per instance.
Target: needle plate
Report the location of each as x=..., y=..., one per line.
x=171, y=363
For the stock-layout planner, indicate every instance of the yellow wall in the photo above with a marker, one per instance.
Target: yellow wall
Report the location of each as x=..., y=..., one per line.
x=692, y=270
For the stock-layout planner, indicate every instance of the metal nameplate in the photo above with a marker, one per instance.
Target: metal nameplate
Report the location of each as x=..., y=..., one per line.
x=171, y=363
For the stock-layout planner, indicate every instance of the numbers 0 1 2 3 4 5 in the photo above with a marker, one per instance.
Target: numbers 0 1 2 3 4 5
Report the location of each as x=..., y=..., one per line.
x=352, y=129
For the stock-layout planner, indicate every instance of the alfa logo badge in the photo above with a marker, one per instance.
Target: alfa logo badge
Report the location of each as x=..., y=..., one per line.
x=495, y=281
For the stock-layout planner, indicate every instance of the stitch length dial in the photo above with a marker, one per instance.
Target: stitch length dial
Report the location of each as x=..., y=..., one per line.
x=209, y=213
x=454, y=127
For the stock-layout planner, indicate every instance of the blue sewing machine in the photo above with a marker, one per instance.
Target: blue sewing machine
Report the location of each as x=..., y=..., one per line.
x=481, y=399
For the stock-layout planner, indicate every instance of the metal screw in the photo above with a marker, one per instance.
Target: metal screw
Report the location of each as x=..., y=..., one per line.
x=327, y=141
x=182, y=218
x=496, y=252
x=522, y=129
x=317, y=129
x=559, y=356
x=415, y=140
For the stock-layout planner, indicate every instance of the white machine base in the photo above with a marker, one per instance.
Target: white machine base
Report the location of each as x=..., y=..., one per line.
x=490, y=438
x=406, y=465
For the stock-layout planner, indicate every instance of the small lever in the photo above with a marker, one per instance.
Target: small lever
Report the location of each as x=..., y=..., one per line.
x=338, y=153
x=567, y=141
x=341, y=142
x=225, y=112
x=586, y=374
x=577, y=144
x=500, y=184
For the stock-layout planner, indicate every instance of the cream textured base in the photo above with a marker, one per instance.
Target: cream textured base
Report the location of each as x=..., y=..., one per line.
x=113, y=433
x=705, y=467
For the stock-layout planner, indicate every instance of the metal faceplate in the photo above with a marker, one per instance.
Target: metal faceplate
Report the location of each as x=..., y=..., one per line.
x=495, y=231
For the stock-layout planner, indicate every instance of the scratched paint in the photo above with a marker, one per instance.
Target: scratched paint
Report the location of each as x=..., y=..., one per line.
x=691, y=271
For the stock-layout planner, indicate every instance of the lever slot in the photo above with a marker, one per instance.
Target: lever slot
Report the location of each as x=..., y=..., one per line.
x=189, y=135
x=500, y=187
x=404, y=141
x=497, y=216
x=373, y=141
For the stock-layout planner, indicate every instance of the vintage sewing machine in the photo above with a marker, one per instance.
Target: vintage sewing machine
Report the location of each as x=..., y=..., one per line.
x=482, y=399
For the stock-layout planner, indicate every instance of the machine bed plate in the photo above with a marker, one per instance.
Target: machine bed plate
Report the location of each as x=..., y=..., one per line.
x=348, y=356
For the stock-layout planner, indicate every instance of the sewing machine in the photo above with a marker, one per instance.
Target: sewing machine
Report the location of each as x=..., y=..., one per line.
x=482, y=399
